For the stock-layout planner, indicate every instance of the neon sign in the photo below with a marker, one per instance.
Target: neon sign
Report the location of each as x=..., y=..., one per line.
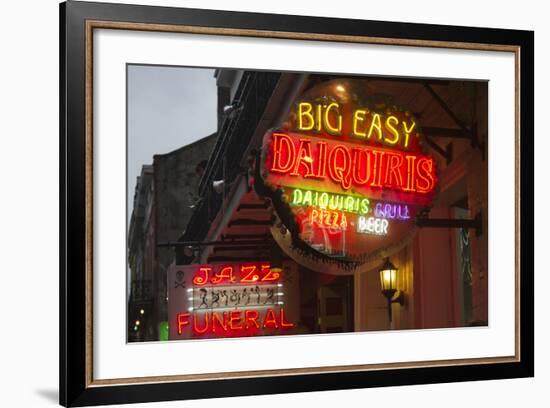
x=392, y=211
x=297, y=160
x=230, y=273
x=232, y=322
x=229, y=299
x=328, y=219
x=324, y=201
x=353, y=176
x=372, y=225
x=390, y=129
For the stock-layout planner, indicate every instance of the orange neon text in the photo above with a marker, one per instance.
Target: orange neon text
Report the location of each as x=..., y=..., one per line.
x=328, y=219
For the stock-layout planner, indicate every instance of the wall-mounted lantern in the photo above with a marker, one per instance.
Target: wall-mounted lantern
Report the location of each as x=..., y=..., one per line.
x=388, y=284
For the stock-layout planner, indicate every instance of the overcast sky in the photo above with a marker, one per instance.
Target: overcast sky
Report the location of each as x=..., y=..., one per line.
x=168, y=107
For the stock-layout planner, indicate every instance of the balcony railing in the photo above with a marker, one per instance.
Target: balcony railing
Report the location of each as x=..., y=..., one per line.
x=253, y=95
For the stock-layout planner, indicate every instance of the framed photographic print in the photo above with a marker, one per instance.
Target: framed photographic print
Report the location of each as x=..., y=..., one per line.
x=256, y=203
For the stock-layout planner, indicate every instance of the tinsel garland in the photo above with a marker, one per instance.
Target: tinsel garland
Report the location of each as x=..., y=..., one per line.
x=284, y=212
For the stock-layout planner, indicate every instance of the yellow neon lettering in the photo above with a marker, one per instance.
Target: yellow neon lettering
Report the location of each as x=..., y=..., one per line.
x=307, y=198
x=297, y=197
x=304, y=110
x=330, y=128
x=365, y=205
x=375, y=124
x=323, y=201
x=392, y=130
x=408, y=132
x=358, y=117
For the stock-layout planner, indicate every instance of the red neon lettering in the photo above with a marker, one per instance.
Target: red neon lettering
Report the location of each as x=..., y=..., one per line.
x=222, y=322
x=345, y=165
x=285, y=324
x=304, y=159
x=251, y=316
x=234, y=322
x=322, y=165
x=225, y=274
x=270, y=320
x=425, y=174
x=356, y=166
x=245, y=273
x=340, y=166
x=235, y=316
x=393, y=175
x=201, y=278
x=196, y=328
x=411, y=182
x=378, y=156
x=269, y=276
x=182, y=320
x=250, y=274
x=328, y=219
x=284, y=153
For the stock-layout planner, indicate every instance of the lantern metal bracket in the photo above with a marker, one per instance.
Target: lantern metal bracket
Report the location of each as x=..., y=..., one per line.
x=471, y=133
x=399, y=298
x=394, y=296
x=446, y=153
x=468, y=223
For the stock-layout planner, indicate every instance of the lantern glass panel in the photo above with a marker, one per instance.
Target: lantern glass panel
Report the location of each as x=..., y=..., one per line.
x=388, y=279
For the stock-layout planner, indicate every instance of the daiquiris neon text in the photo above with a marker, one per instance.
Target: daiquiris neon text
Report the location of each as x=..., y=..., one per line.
x=341, y=166
x=348, y=203
x=329, y=201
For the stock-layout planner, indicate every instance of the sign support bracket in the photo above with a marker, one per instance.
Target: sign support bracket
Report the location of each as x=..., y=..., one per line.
x=468, y=223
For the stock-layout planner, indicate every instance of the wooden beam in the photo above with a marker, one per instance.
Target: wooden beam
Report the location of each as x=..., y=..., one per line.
x=248, y=222
x=244, y=206
x=244, y=236
x=237, y=259
x=475, y=223
x=240, y=248
x=197, y=244
x=445, y=107
x=446, y=153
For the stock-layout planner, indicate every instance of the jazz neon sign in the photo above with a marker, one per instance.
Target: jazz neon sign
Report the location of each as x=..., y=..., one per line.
x=230, y=273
